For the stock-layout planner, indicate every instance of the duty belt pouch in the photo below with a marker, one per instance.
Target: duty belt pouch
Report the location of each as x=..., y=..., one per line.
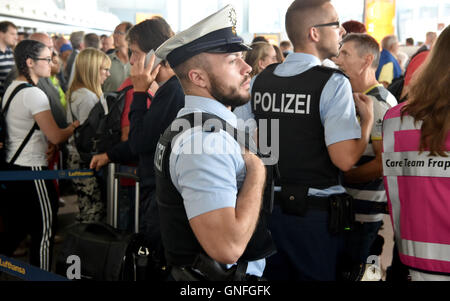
x=293, y=200
x=341, y=212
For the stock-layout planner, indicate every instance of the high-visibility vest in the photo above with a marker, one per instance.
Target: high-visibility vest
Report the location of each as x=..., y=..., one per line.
x=418, y=192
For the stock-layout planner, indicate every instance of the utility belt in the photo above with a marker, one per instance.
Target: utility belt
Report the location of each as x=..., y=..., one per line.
x=204, y=268
x=294, y=200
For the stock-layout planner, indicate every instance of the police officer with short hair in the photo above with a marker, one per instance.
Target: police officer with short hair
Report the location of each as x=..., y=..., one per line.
x=209, y=193
x=319, y=136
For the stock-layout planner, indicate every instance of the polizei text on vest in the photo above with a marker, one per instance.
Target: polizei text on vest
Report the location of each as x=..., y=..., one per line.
x=283, y=102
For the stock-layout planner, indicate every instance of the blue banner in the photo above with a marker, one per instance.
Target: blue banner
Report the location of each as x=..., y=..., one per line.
x=27, y=175
x=27, y=272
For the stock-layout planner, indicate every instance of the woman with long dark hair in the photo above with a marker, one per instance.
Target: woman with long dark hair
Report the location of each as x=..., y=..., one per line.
x=30, y=207
x=416, y=167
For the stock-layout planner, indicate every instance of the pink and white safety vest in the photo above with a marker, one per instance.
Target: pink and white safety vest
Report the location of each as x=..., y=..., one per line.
x=418, y=192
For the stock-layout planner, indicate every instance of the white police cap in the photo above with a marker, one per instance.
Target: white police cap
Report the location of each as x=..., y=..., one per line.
x=216, y=33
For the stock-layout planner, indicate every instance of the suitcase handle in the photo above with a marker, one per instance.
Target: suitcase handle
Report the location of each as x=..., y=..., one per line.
x=129, y=174
x=114, y=174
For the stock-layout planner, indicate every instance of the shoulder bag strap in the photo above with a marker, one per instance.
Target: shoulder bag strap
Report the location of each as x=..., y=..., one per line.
x=30, y=133
x=25, y=141
x=16, y=90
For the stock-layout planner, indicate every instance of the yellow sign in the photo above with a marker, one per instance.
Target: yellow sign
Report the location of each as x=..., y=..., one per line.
x=380, y=18
x=144, y=16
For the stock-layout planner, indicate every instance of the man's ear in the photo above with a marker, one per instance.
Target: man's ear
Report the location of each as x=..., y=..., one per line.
x=198, y=77
x=314, y=34
x=368, y=60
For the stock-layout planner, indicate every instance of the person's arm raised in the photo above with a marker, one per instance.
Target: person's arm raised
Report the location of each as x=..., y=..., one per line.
x=225, y=233
x=345, y=154
x=142, y=76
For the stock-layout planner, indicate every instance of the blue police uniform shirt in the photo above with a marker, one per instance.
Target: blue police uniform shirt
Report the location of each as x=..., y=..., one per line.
x=207, y=168
x=337, y=108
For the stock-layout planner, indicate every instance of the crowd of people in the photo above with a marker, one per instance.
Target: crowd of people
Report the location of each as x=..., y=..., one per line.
x=338, y=108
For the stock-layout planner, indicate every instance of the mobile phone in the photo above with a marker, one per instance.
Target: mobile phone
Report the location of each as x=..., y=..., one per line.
x=147, y=59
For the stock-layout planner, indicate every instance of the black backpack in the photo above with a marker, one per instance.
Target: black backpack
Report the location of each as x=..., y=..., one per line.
x=396, y=87
x=101, y=132
x=105, y=253
x=3, y=132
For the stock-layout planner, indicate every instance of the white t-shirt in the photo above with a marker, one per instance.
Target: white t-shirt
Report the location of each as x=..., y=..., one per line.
x=81, y=103
x=19, y=119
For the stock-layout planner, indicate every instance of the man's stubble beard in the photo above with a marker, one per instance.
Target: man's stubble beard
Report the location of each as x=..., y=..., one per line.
x=228, y=98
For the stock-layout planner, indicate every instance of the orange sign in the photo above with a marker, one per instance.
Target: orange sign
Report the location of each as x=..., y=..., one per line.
x=144, y=16
x=380, y=18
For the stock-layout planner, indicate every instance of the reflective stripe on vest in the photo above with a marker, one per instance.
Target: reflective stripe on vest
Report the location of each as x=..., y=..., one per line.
x=402, y=163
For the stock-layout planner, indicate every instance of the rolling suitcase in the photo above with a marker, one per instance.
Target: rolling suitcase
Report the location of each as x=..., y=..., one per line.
x=105, y=252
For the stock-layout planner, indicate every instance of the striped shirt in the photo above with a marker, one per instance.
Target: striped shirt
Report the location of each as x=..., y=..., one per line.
x=6, y=64
x=372, y=191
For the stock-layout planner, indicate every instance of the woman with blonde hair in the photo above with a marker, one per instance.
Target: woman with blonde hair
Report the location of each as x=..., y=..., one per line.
x=260, y=56
x=416, y=167
x=91, y=70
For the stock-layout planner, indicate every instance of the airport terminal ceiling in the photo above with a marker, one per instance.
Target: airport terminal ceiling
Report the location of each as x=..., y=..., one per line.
x=411, y=18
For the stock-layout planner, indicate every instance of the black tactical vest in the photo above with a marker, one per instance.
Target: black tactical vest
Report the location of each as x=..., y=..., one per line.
x=180, y=244
x=294, y=101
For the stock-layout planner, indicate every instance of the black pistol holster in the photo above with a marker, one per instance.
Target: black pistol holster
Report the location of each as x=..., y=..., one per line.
x=342, y=215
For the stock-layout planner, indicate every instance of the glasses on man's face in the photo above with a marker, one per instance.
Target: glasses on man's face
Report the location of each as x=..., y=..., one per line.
x=336, y=23
x=120, y=33
x=49, y=60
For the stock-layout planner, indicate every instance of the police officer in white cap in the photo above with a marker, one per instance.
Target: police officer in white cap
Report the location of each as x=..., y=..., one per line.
x=209, y=191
